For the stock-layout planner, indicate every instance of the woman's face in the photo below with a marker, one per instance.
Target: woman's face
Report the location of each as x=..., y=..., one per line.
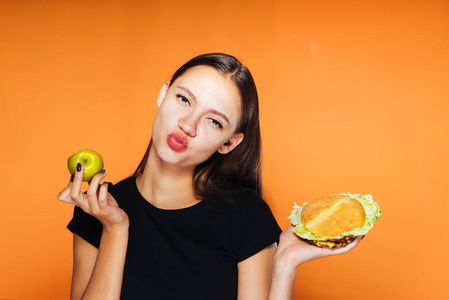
x=198, y=116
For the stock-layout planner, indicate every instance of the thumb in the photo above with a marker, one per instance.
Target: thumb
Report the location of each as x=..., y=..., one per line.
x=64, y=195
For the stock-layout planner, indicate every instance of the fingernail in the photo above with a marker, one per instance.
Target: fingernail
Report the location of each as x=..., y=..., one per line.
x=78, y=167
x=362, y=237
x=102, y=171
x=72, y=177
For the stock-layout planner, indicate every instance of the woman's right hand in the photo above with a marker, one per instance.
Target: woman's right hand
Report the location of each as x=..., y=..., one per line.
x=96, y=201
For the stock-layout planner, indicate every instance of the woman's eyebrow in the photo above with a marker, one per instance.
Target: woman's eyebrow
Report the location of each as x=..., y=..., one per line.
x=216, y=112
x=213, y=111
x=191, y=95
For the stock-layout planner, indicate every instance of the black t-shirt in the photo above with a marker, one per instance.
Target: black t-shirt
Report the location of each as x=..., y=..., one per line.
x=189, y=253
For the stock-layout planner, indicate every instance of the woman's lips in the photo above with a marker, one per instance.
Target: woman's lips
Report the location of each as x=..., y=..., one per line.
x=177, y=142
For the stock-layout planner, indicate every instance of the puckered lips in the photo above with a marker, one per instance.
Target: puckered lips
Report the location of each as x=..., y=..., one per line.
x=177, y=141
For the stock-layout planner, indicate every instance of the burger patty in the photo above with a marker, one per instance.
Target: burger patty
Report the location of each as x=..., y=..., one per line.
x=335, y=243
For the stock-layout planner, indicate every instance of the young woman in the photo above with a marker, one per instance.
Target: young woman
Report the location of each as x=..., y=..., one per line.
x=190, y=223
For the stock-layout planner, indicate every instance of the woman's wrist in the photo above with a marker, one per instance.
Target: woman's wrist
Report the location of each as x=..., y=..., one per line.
x=283, y=278
x=283, y=264
x=118, y=224
x=116, y=228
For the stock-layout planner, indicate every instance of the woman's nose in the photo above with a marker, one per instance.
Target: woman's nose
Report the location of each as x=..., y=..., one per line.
x=188, y=125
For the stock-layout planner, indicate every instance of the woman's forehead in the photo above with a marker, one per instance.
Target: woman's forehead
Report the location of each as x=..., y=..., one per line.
x=203, y=72
x=205, y=80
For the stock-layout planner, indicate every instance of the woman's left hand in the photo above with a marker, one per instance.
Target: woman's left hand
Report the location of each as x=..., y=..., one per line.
x=292, y=251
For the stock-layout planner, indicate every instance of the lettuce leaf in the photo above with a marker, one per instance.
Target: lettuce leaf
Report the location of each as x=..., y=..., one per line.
x=372, y=211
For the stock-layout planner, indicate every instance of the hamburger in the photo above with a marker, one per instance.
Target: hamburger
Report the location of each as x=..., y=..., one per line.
x=334, y=221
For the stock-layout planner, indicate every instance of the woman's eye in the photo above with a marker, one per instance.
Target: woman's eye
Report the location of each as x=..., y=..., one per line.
x=216, y=123
x=183, y=98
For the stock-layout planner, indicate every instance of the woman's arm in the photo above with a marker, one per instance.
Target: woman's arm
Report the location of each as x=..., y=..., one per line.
x=104, y=277
x=255, y=275
x=291, y=253
x=97, y=274
x=84, y=257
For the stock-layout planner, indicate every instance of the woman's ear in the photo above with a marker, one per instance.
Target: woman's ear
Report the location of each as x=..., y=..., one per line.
x=162, y=93
x=233, y=142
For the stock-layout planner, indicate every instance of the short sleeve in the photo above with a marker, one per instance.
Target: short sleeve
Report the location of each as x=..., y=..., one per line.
x=86, y=226
x=258, y=227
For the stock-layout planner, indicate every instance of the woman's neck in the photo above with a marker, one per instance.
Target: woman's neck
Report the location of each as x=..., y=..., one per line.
x=166, y=186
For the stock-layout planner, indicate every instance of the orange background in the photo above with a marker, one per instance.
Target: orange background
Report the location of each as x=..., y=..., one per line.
x=354, y=98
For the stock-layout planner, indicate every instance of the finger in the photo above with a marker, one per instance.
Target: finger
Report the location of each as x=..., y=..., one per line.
x=95, y=182
x=111, y=200
x=103, y=196
x=289, y=228
x=349, y=247
x=93, y=190
x=66, y=191
x=355, y=242
x=64, y=195
x=72, y=177
x=75, y=192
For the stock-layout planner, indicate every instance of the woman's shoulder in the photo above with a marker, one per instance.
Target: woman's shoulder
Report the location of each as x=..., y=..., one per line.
x=122, y=185
x=242, y=199
x=251, y=221
x=123, y=190
x=246, y=197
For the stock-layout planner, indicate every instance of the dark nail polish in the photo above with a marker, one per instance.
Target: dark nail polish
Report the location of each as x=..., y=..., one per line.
x=362, y=237
x=102, y=171
x=78, y=167
x=72, y=177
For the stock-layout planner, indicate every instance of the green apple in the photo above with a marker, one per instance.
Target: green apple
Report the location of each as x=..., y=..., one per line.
x=91, y=160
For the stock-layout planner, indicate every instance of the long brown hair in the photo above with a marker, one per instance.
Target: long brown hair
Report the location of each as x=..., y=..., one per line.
x=242, y=166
